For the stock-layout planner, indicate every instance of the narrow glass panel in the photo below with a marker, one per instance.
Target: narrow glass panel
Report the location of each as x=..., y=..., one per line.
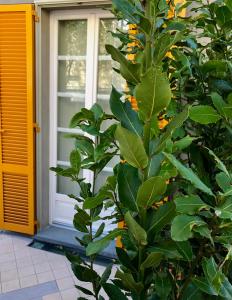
x=67, y=107
x=71, y=76
x=106, y=75
x=72, y=37
x=65, y=146
x=105, y=37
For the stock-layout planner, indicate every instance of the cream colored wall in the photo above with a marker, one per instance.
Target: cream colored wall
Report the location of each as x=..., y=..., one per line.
x=16, y=1
x=70, y=2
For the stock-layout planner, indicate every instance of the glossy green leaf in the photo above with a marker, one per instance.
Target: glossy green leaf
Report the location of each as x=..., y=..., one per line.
x=128, y=184
x=164, y=44
x=81, y=220
x=168, y=249
x=204, y=114
x=106, y=274
x=130, y=71
x=223, y=181
x=185, y=250
x=163, y=285
x=136, y=230
x=92, y=202
x=100, y=230
x=124, y=113
x=225, y=210
x=84, y=290
x=228, y=3
x=218, y=103
x=224, y=86
x=124, y=258
x=113, y=292
x=81, y=116
x=214, y=66
x=182, y=226
x=219, y=163
x=84, y=274
x=204, y=285
x=131, y=148
x=153, y=94
x=155, y=165
x=163, y=216
x=167, y=171
x=153, y=260
x=75, y=160
x=84, y=144
x=216, y=278
x=150, y=191
x=190, y=204
x=183, y=143
x=223, y=15
x=176, y=122
x=188, y=174
x=128, y=10
x=129, y=282
x=205, y=232
x=99, y=245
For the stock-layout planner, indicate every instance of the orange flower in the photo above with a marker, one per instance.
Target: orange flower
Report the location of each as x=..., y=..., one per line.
x=163, y=123
x=122, y=161
x=134, y=103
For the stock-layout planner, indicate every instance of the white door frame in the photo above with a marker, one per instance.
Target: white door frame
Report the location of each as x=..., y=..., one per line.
x=92, y=16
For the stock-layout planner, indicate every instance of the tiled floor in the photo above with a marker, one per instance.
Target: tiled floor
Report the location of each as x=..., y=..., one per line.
x=31, y=274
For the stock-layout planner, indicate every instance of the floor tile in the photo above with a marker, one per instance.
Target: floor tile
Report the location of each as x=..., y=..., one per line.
x=7, y=257
x=7, y=266
x=45, y=277
x=70, y=294
x=56, y=296
x=26, y=271
x=65, y=283
x=9, y=275
x=58, y=265
x=24, y=262
x=61, y=273
x=10, y=285
x=33, y=274
x=28, y=281
x=43, y=267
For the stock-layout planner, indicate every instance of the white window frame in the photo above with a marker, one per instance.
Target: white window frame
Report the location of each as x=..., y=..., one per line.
x=92, y=16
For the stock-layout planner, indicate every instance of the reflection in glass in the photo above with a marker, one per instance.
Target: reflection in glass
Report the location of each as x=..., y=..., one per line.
x=67, y=107
x=105, y=37
x=72, y=37
x=64, y=146
x=71, y=76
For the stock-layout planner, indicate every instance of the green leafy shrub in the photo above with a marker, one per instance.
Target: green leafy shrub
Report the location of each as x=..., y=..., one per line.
x=178, y=216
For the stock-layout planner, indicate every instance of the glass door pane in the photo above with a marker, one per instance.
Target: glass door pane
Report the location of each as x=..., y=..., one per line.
x=71, y=86
x=106, y=75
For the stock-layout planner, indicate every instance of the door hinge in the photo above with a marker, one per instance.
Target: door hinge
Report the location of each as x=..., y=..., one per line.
x=36, y=127
x=36, y=17
x=36, y=224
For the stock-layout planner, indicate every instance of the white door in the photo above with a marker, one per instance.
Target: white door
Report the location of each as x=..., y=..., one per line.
x=81, y=74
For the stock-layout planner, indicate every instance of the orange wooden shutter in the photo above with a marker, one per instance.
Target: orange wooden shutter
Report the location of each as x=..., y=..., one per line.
x=16, y=118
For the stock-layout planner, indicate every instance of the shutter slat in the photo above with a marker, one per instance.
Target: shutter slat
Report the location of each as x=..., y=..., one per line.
x=16, y=118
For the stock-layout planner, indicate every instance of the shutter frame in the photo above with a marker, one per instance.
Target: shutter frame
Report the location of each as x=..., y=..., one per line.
x=17, y=183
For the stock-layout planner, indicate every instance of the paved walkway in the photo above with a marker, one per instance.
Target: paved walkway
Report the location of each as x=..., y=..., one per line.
x=32, y=274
